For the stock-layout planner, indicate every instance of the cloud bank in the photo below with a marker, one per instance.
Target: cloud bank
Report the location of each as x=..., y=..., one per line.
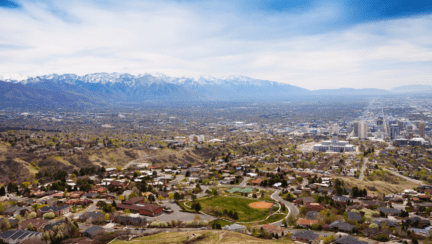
x=314, y=46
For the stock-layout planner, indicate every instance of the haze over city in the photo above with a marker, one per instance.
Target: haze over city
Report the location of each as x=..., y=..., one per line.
x=185, y=121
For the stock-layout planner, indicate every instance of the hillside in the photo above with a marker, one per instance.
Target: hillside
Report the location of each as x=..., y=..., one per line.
x=16, y=165
x=207, y=236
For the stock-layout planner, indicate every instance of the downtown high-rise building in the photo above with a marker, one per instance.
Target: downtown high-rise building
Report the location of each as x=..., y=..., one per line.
x=356, y=129
x=422, y=129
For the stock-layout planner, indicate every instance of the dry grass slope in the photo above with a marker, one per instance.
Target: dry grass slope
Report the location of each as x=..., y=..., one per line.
x=207, y=236
x=381, y=186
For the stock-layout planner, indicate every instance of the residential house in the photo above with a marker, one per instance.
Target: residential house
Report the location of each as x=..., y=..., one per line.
x=311, y=215
x=306, y=236
x=18, y=236
x=373, y=232
x=349, y=240
x=275, y=230
x=92, y=231
x=256, y=182
x=371, y=204
x=130, y=220
x=61, y=210
x=389, y=211
x=306, y=223
x=317, y=207
x=341, y=226
x=38, y=224
x=417, y=222
x=50, y=226
x=235, y=227
x=151, y=210
x=304, y=200
x=354, y=217
x=386, y=222
x=16, y=210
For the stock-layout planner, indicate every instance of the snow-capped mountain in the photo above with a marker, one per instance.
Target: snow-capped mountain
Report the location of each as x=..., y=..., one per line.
x=125, y=88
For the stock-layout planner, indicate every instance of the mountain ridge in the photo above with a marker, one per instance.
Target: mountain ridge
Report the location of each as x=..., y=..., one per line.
x=123, y=88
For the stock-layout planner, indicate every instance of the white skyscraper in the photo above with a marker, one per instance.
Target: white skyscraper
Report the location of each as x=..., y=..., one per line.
x=362, y=130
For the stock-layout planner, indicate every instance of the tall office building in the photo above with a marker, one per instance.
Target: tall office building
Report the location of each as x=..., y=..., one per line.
x=362, y=130
x=401, y=125
x=380, y=121
x=394, y=131
x=356, y=128
x=422, y=129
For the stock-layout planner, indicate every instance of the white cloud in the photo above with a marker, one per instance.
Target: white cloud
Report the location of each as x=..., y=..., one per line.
x=191, y=40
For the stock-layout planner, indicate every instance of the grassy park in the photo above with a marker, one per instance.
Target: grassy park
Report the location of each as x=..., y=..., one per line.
x=218, y=204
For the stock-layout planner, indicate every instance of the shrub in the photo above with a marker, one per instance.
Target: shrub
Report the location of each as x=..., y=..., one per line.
x=373, y=225
x=49, y=216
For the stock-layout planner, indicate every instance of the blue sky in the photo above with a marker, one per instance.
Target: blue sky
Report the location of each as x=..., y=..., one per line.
x=312, y=44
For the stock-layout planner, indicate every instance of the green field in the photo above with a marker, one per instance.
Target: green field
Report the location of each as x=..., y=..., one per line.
x=239, y=205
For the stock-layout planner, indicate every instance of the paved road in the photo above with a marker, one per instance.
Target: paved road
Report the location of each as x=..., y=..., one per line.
x=244, y=182
x=406, y=178
x=362, y=171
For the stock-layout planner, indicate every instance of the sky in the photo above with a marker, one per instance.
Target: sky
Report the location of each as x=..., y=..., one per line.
x=311, y=44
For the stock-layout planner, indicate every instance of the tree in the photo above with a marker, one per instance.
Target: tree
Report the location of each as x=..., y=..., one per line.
x=160, y=198
x=121, y=198
x=126, y=211
x=171, y=196
x=32, y=215
x=235, y=216
x=2, y=191
x=197, y=207
x=25, y=184
x=30, y=226
x=49, y=216
x=114, y=204
x=197, y=218
x=188, y=174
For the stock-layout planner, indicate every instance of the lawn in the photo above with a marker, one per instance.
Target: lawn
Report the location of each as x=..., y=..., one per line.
x=239, y=205
x=273, y=218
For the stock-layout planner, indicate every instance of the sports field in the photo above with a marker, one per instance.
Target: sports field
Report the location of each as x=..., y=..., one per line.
x=235, y=204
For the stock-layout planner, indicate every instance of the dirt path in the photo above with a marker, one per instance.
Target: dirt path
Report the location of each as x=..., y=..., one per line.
x=220, y=237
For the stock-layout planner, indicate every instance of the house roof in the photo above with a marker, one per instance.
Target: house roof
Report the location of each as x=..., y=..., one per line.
x=389, y=210
x=37, y=223
x=307, y=234
x=307, y=222
x=354, y=216
x=340, y=199
x=311, y=214
x=349, y=240
x=92, y=230
x=387, y=222
x=19, y=234
x=151, y=207
x=135, y=200
x=341, y=225
x=53, y=208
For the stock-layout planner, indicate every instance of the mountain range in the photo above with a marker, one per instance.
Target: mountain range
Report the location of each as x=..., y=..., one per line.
x=105, y=89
